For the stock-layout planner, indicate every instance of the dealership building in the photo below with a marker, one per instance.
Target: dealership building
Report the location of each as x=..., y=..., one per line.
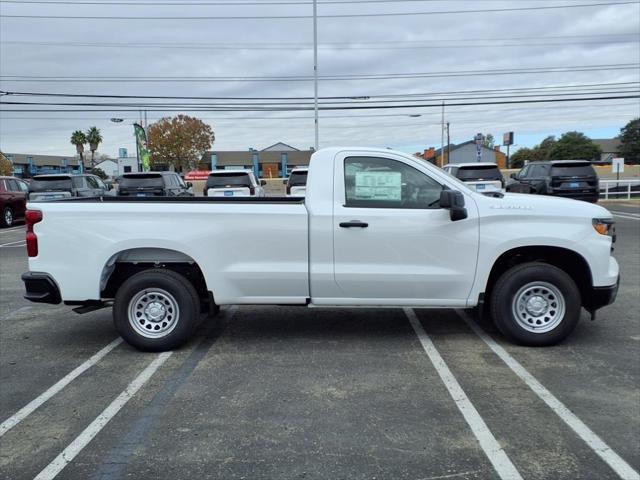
x=27, y=165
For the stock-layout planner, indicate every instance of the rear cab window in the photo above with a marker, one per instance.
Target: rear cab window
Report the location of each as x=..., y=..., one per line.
x=298, y=179
x=144, y=180
x=43, y=184
x=577, y=169
x=229, y=179
x=479, y=172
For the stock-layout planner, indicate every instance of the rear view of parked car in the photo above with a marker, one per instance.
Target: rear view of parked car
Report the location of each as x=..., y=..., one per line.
x=55, y=187
x=13, y=200
x=564, y=178
x=233, y=183
x=297, y=182
x=153, y=184
x=482, y=177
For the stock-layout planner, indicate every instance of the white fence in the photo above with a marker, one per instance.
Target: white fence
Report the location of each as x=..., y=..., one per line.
x=619, y=188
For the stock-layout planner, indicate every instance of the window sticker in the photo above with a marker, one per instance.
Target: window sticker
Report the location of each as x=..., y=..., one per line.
x=378, y=186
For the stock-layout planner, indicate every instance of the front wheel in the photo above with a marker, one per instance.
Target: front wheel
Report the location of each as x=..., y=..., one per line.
x=535, y=304
x=156, y=310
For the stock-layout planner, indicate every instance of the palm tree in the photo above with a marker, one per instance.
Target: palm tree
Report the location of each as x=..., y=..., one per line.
x=94, y=139
x=78, y=138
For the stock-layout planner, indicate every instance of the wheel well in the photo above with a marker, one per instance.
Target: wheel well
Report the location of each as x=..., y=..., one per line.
x=126, y=263
x=567, y=260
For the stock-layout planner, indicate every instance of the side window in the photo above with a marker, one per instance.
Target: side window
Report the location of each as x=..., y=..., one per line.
x=372, y=182
x=525, y=172
x=12, y=185
x=77, y=182
x=92, y=182
x=537, y=171
x=24, y=188
x=100, y=183
x=181, y=182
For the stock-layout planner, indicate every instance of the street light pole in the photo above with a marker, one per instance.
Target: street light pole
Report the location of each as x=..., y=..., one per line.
x=315, y=72
x=442, y=138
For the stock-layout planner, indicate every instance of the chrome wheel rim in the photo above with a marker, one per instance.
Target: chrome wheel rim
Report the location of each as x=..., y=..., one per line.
x=153, y=313
x=538, y=307
x=8, y=216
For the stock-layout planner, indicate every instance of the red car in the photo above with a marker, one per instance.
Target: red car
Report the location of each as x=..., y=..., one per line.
x=13, y=200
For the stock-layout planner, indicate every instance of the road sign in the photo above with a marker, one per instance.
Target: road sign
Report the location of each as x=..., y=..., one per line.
x=617, y=165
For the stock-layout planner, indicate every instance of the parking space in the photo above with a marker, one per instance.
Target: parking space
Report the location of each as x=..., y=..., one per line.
x=289, y=392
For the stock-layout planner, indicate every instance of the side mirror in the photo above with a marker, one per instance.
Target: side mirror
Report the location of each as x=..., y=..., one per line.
x=263, y=183
x=453, y=200
x=189, y=184
x=284, y=181
x=514, y=175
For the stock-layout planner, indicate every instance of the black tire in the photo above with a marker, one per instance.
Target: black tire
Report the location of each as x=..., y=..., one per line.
x=556, y=291
x=163, y=292
x=7, y=217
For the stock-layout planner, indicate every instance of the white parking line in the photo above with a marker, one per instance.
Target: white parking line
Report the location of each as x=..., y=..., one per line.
x=632, y=214
x=28, y=409
x=22, y=240
x=611, y=458
x=492, y=449
x=13, y=229
x=628, y=217
x=82, y=440
x=20, y=245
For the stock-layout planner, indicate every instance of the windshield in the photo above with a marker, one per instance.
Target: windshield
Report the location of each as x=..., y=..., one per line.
x=231, y=179
x=573, y=170
x=486, y=172
x=43, y=184
x=298, y=179
x=135, y=181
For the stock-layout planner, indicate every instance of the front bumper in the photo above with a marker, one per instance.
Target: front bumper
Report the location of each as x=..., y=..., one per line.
x=601, y=296
x=41, y=288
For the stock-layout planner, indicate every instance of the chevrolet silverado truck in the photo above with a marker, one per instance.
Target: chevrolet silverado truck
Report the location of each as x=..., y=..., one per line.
x=376, y=228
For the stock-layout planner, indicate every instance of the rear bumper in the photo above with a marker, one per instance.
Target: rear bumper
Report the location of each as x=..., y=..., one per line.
x=601, y=296
x=588, y=196
x=41, y=288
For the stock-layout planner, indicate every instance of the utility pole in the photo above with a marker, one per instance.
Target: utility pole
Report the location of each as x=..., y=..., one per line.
x=448, y=144
x=315, y=72
x=442, y=138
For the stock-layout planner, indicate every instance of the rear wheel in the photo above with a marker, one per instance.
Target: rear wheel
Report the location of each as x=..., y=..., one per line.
x=535, y=304
x=156, y=310
x=7, y=217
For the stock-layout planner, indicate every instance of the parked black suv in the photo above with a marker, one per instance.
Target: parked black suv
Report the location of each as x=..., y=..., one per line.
x=565, y=178
x=55, y=186
x=150, y=184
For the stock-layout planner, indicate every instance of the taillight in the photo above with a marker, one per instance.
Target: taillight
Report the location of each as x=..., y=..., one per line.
x=288, y=189
x=31, y=218
x=252, y=190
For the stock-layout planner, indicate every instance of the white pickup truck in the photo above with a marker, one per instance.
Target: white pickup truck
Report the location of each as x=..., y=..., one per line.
x=377, y=228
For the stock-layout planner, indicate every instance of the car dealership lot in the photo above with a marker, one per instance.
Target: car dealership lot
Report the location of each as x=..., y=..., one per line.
x=286, y=392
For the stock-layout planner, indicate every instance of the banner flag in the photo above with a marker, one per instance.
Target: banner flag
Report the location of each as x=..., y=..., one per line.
x=141, y=144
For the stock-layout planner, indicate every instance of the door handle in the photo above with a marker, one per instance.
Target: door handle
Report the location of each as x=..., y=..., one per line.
x=354, y=223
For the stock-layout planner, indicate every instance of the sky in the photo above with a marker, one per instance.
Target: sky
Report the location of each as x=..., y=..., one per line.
x=411, y=53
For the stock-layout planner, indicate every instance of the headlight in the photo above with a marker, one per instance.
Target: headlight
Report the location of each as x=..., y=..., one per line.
x=605, y=226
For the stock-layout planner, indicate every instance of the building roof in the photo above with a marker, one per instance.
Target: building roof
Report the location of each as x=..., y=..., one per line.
x=280, y=147
x=45, y=160
x=608, y=145
x=245, y=157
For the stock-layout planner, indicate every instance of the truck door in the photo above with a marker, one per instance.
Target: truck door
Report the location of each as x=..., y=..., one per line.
x=393, y=244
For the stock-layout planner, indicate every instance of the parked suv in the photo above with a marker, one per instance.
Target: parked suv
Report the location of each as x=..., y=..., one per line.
x=56, y=186
x=233, y=183
x=482, y=177
x=565, y=178
x=153, y=184
x=13, y=200
x=297, y=182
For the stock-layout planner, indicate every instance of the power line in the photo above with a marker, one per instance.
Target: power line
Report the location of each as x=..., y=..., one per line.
x=588, y=86
x=339, y=15
x=350, y=107
x=306, y=78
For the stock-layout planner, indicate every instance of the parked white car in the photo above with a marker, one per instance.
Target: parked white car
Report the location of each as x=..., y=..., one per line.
x=483, y=177
x=296, y=184
x=376, y=228
x=233, y=183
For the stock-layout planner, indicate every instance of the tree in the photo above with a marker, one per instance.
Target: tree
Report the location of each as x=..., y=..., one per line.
x=488, y=141
x=574, y=145
x=94, y=138
x=518, y=158
x=6, y=167
x=78, y=138
x=98, y=172
x=179, y=141
x=630, y=141
x=544, y=150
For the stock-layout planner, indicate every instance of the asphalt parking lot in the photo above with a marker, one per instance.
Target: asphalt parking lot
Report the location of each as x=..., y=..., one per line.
x=288, y=392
